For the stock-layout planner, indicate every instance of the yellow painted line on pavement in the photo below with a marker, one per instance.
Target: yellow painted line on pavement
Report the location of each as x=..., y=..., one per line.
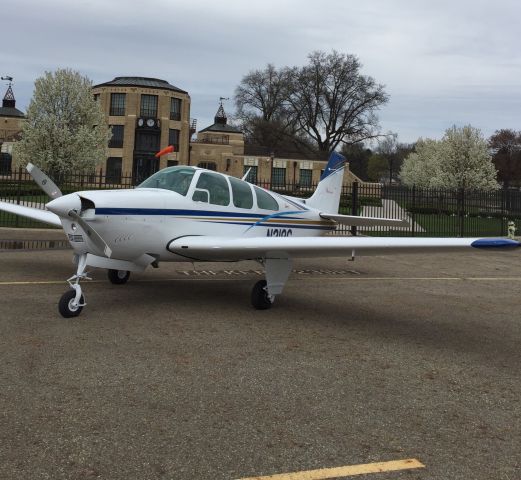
x=238, y=278
x=346, y=471
x=341, y=279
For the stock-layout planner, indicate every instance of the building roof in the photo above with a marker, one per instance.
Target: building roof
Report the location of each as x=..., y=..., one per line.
x=11, y=112
x=144, y=82
x=221, y=123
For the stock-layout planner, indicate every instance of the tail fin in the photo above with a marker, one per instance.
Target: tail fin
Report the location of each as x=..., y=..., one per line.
x=327, y=195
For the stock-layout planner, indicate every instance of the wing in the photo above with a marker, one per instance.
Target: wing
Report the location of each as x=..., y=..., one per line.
x=231, y=249
x=33, y=213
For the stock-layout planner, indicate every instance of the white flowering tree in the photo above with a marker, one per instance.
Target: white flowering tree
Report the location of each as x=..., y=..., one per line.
x=65, y=130
x=461, y=159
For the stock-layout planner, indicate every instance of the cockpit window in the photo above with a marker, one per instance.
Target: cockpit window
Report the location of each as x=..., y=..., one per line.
x=177, y=179
x=265, y=200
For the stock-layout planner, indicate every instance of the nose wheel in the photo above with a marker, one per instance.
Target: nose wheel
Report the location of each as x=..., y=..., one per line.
x=72, y=301
x=68, y=306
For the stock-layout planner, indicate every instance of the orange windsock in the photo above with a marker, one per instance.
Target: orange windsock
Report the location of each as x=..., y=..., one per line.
x=165, y=150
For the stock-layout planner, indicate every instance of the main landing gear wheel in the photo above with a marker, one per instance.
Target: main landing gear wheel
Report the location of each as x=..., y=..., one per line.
x=118, y=277
x=260, y=298
x=67, y=306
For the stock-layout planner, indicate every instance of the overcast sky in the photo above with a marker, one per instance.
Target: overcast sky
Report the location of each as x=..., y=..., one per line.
x=442, y=62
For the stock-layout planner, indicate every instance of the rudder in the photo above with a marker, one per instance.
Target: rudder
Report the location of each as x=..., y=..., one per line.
x=327, y=195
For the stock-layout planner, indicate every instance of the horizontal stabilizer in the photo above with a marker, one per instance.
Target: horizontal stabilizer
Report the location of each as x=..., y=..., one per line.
x=356, y=221
x=32, y=213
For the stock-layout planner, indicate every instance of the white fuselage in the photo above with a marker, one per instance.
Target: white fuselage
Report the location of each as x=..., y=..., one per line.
x=144, y=221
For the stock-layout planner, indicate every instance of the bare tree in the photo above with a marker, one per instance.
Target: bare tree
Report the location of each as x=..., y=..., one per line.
x=320, y=106
x=333, y=102
x=261, y=101
x=506, y=149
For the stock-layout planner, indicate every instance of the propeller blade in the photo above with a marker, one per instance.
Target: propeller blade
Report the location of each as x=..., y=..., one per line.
x=45, y=183
x=91, y=233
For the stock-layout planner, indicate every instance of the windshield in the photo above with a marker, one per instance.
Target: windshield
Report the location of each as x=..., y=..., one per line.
x=177, y=179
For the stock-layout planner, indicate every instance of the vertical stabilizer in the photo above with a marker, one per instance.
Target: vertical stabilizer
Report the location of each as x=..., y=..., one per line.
x=327, y=195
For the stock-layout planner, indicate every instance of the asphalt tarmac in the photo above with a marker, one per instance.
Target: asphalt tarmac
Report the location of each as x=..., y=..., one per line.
x=175, y=376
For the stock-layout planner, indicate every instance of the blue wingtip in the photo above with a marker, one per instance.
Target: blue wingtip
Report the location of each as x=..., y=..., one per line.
x=495, y=243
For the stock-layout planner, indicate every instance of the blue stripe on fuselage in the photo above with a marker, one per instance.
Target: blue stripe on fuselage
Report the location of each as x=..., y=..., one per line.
x=277, y=225
x=184, y=213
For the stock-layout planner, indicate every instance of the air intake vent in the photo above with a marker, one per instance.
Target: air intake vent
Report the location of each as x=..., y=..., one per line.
x=87, y=204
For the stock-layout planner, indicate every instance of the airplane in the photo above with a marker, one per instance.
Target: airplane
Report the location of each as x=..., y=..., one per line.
x=186, y=213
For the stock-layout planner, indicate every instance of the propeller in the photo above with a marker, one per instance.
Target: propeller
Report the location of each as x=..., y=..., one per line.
x=63, y=206
x=45, y=183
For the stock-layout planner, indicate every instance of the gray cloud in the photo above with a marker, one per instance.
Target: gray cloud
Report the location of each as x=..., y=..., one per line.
x=442, y=62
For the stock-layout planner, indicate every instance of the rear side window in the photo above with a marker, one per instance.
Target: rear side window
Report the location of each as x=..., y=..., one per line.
x=265, y=200
x=216, y=187
x=242, y=195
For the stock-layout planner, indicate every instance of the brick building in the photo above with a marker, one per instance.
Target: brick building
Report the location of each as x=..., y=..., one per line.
x=146, y=115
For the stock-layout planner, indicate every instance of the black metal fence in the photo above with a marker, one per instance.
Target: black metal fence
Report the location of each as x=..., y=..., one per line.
x=430, y=212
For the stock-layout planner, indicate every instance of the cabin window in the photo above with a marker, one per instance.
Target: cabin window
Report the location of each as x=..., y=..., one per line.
x=265, y=200
x=242, y=194
x=216, y=186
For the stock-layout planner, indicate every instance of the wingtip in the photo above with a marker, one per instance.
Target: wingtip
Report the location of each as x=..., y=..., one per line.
x=495, y=243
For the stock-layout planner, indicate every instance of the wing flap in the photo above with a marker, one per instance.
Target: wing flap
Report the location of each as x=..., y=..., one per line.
x=356, y=221
x=33, y=213
x=231, y=249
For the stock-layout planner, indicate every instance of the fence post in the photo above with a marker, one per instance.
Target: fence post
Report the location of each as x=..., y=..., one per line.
x=413, y=216
x=100, y=176
x=504, y=212
x=461, y=205
x=354, y=204
x=18, y=193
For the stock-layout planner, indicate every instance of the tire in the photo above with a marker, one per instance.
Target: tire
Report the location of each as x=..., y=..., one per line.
x=259, y=296
x=118, y=277
x=65, y=304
